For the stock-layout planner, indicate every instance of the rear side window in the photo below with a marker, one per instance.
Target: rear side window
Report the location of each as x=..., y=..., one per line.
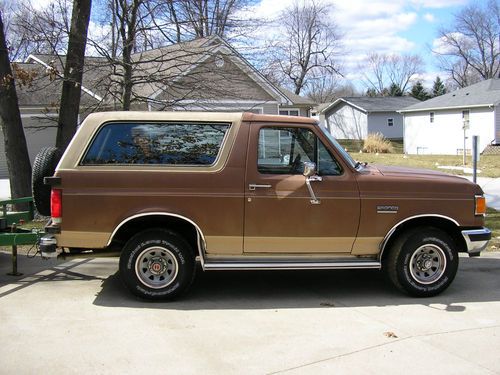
x=156, y=143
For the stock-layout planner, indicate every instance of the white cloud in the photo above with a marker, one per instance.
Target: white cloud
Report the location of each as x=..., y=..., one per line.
x=440, y=47
x=438, y=3
x=429, y=17
x=41, y=4
x=97, y=34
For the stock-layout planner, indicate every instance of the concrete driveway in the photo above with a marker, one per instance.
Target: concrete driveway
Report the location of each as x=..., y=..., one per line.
x=75, y=317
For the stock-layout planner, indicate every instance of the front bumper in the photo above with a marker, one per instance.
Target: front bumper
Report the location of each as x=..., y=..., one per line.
x=476, y=240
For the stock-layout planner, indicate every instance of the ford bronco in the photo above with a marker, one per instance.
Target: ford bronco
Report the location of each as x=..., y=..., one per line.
x=242, y=191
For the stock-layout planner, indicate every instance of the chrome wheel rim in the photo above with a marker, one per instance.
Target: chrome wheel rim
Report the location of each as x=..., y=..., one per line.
x=427, y=264
x=156, y=267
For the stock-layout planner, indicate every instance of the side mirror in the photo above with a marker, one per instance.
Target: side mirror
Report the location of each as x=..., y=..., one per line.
x=311, y=176
x=309, y=168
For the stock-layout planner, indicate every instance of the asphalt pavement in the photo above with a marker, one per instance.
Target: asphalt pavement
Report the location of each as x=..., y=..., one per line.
x=75, y=317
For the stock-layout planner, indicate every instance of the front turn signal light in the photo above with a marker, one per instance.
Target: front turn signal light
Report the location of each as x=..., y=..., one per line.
x=480, y=206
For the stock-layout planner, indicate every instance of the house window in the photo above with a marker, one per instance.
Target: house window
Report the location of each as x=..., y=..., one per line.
x=431, y=117
x=289, y=112
x=390, y=122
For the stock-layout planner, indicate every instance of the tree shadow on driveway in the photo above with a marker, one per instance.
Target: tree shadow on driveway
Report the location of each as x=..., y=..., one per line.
x=478, y=280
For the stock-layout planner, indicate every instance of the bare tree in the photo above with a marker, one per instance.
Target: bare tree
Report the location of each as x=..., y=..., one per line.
x=188, y=19
x=140, y=27
x=16, y=150
x=327, y=88
x=470, y=48
x=309, y=44
x=42, y=31
x=131, y=29
x=73, y=72
x=384, y=73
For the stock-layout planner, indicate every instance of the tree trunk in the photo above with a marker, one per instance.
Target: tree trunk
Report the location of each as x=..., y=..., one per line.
x=16, y=150
x=73, y=72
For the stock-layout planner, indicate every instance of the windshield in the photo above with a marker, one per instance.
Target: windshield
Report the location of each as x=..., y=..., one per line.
x=336, y=144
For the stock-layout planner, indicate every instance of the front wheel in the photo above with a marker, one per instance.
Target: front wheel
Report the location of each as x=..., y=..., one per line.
x=422, y=262
x=157, y=264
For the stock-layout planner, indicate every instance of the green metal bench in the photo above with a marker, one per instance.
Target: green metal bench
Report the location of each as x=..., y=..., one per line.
x=10, y=233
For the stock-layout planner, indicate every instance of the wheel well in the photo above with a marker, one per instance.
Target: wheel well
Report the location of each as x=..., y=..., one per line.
x=445, y=225
x=182, y=227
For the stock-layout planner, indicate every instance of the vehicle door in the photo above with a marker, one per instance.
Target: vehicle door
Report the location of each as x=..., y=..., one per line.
x=281, y=215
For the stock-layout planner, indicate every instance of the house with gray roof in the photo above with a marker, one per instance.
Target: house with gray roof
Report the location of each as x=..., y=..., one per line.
x=445, y=124
x=205, y=74
x=356, y=117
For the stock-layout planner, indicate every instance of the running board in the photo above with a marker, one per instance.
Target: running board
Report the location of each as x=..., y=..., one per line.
x=301, y=264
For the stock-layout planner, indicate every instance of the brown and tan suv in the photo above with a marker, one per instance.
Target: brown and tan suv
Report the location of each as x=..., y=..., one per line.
x=241, y=191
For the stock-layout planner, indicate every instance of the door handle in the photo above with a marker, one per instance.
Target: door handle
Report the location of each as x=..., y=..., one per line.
x=253, y=186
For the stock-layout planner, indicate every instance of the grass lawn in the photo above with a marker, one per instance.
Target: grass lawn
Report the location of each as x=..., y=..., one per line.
x=493, y=223
x=489, y=165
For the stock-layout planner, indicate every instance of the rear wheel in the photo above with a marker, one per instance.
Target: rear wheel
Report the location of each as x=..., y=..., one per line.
x=157, y=264
x=422, y=262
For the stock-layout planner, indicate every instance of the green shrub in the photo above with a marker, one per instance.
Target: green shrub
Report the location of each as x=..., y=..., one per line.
x=375, y=142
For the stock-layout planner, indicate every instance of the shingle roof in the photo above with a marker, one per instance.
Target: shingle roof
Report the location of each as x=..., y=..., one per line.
x=158, y=67
x=481, y=94
x=376, y=104
x=41, y=91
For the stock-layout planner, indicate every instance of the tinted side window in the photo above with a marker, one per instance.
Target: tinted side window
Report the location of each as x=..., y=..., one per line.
x=283, y=150
x=156, y=143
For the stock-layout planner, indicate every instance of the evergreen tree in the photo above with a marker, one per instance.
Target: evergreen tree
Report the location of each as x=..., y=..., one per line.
x=371, y=93
x=394, y=90
x=418, y=91
x=438, y=87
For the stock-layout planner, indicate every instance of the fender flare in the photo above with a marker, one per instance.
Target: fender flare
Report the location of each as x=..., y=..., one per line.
x=199, y=233
x=391, y=232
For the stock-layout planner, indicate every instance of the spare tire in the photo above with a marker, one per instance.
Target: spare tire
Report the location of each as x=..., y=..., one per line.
x=44, y=166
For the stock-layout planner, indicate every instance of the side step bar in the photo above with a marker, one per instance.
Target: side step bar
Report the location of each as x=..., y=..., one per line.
x=320, y=264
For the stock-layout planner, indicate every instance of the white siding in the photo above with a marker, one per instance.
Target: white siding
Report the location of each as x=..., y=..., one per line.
x=445, y=135
x=347, y=123
x=36, y=137
x=377, y=123
x=497, y=124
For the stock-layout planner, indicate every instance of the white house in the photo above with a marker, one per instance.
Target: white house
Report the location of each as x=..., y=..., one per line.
x=356, y=117
x=442, y=124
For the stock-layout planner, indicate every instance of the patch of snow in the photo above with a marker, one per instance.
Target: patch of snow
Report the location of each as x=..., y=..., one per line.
x=463, y=169
x=4, y=189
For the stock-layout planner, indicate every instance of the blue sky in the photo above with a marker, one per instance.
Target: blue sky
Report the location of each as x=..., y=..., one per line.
x=385, y=26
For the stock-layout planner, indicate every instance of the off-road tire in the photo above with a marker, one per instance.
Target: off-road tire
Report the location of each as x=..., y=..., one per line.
x=157, y=264
x=44, y=165
x=422, y=262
